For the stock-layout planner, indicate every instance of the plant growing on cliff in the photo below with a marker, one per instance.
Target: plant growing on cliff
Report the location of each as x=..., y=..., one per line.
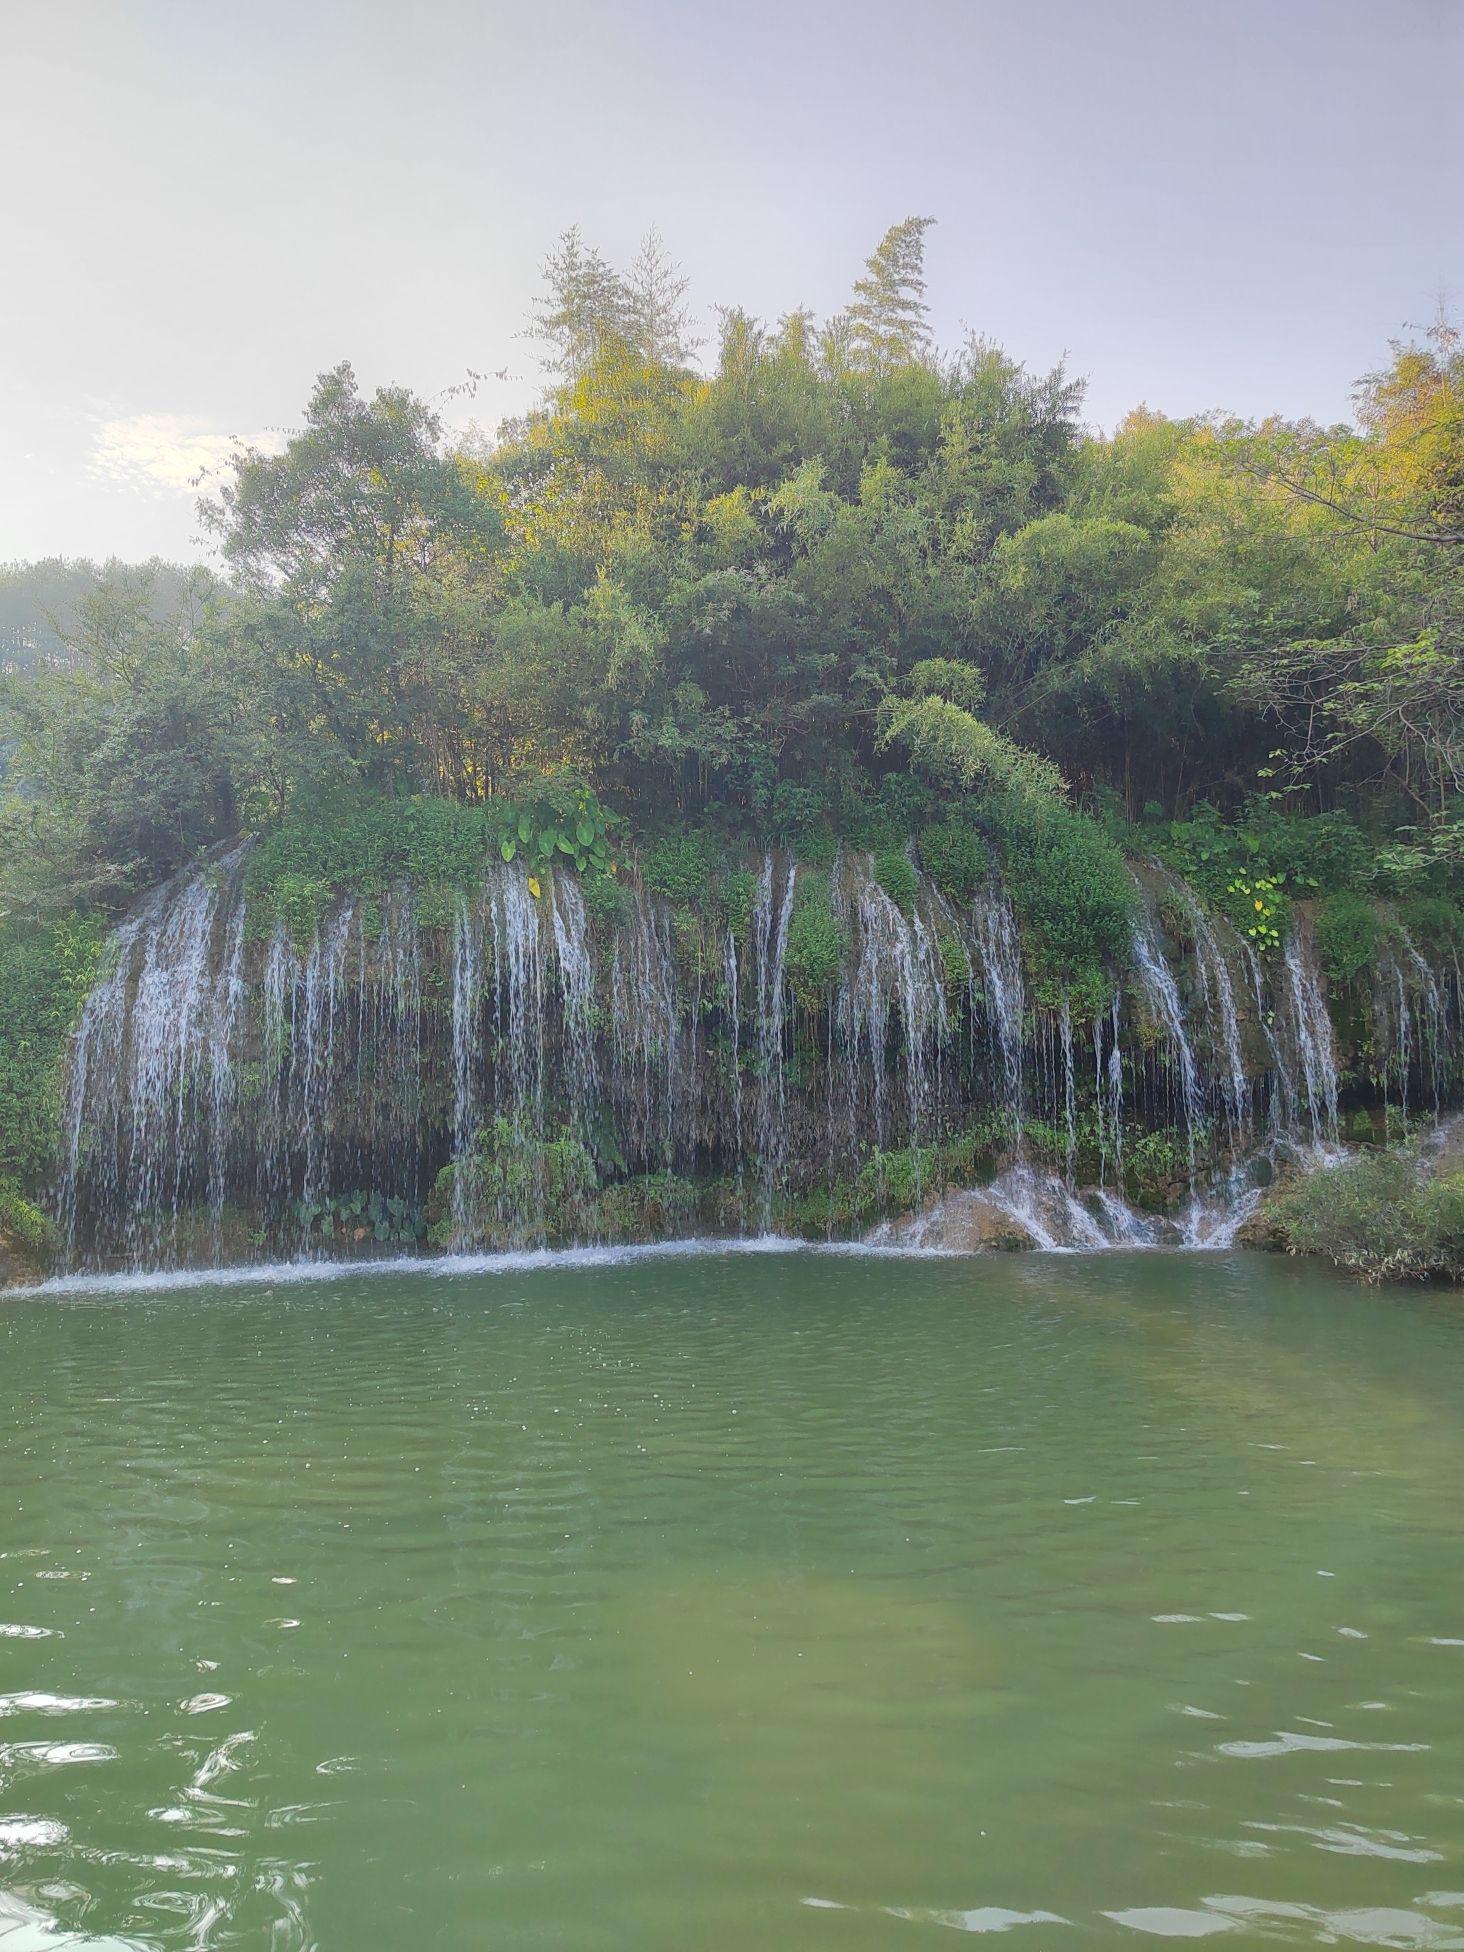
x=818, y=942
x=45, y=972
x=895, y=874
x=954, y=855
x=1074, y=898
x=520, y=1188
x=1347, y=932
x=1258, y=907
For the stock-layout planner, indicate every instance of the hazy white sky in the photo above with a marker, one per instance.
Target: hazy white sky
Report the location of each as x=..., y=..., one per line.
x=1230, y=204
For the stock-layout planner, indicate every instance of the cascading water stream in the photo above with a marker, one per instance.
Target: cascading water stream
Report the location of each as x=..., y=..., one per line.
x=1312, y=1030
x=772, y=912
x=1224, y=1018
x=1161, y=992
x=998, y=950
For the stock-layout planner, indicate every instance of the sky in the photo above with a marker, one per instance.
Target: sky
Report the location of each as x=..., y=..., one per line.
x=1232, y=205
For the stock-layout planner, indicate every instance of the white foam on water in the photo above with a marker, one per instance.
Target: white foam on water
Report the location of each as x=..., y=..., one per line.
x=269, y=1274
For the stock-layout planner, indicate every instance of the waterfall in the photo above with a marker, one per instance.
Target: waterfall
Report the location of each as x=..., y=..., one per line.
x=322, y=991
x=1161, y=993
x=732, y=1013
x=152, y=1062
x=1113, y=1124
x=772, y=912
x=1283, y=1094
x=1312, y=1031
x=896, y=972
x=577, y=1001
x=1426, y=986
x=228, y=1013
x=92, y=1110
x=518, y=1049
x=467, y=985
x=998, y=949
x=228, y=1091
x=1219, y=994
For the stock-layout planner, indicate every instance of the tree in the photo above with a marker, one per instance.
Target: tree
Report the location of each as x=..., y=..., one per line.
x=887, y=319
x=343, y=542
x=125, y=752
x=657, y=317
x=587, y=308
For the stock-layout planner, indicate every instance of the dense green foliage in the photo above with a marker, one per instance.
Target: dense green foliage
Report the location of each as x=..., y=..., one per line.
x=837, y=590
x=351, y=840
x=44, y=974
x=1073, y=896
x=1374, y=1215
x=955, y=856
x=1347, y=935
x=817, y=940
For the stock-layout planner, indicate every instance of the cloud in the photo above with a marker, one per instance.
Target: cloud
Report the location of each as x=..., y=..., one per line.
x=150, y=452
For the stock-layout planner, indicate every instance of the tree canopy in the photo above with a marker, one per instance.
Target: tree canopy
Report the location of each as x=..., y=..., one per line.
x=824, y=583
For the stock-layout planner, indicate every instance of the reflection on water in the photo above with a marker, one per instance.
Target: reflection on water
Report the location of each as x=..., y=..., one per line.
x=785, y=1600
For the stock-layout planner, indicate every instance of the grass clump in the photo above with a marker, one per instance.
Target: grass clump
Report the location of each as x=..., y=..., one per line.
x=682, y=867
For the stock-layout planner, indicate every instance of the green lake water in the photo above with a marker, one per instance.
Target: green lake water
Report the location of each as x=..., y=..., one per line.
x=752, y=1600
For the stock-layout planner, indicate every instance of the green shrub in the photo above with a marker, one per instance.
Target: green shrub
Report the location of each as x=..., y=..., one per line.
x=817, y=941
x=893, y=872
x=606, y=900
x=949, y=678
x=954, y=855
x=801, y=818
x=1258, y=906
x=340, y=842
x=954, y=961
x=521, y=1190
x=24, y=1225
x=297, y=901
x=657, y=1206
x=1319, y=853
x=1300, y=855
x=1074, y=899
x=1434, y=925
x=682, y=866
x=45, y=973
x=1374, y=1215
x=739, y=896
x=1347, y=937
x=380, y=1219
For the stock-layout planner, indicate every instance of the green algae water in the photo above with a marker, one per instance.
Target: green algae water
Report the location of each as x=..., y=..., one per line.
x=785, y=1599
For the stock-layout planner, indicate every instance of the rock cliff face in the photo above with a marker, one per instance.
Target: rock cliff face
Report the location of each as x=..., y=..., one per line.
x=17, y=1267
x=512, y=1069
